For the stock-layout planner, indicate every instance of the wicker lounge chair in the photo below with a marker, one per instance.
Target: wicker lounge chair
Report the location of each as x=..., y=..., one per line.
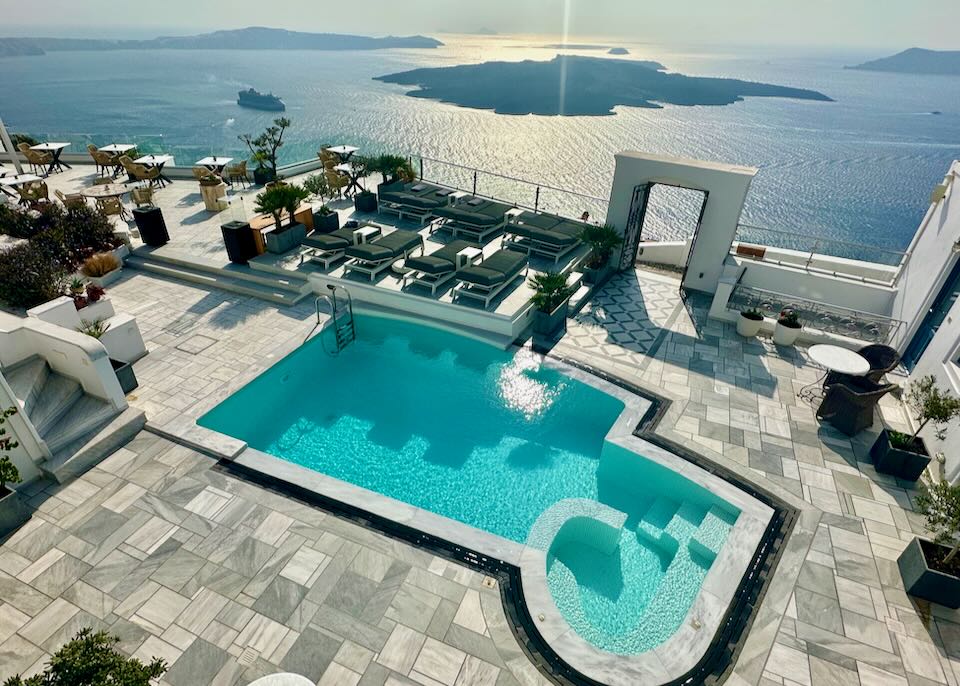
x=375, y=256
x=485, y=281
x=475, y=219
x=434, y=270
x=882, y=359
x=849, y=404
x=543, y=234
x=327, y=248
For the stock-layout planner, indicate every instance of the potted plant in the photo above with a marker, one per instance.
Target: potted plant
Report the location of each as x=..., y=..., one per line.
x=550, y=298
x=326, y=220
x=95, y=328
x=749, y=322
x=365, y=201
x=101, y=269
x=13, y=512
x=602, y=241
x=392, y=168
x=276, y=200
x=90, y=659
x=316, y=185
x=264, y=148
x=931, y=569
x=788, y=327
x=905, y=455
x=210, y=179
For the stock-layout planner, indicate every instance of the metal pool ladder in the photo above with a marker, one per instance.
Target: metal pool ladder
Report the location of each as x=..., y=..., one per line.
x=341, y=319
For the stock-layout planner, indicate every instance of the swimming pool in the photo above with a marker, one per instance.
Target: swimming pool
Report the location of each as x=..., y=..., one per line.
x=498, y=441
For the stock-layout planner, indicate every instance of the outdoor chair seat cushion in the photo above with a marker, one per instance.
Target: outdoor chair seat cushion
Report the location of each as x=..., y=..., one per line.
x=501, y=266
x=568, y=227
x=439, y=261
x=390, y=246
x=537, y=220
x=549, y=237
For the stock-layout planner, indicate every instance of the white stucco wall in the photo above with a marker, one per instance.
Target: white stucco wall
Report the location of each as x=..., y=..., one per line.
x=726, y=185
x=931, y=259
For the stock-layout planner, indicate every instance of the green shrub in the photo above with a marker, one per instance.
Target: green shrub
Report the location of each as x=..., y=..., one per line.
x=602, y=241
x=91, y=659
x=30, y=274
x=17, y=223
x=317, y=185
x=392, y=168
x=74, y=234
x=550, y=289
x=9, y=474
x=280, y=198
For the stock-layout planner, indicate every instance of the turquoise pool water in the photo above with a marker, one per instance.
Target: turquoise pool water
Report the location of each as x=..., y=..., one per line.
x=491, y=439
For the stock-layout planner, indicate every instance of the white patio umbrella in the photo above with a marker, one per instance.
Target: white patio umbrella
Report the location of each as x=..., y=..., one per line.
x=8, y=146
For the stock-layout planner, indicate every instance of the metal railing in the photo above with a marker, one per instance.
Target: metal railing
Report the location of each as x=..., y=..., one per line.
x=819, y=316
x=520, y=192
x=811, y=249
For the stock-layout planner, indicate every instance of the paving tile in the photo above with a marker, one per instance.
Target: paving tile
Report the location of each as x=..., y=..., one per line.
x=819, y=610
x=311, y=654
x=476, y=672
x=402, y=649
x=338, y=675
x=163, y=607
x=920, y=658
x=199, y=664
x=352, y=593
x=439, y=661
x=280, y=599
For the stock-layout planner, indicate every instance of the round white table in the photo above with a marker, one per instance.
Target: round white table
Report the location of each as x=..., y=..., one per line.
x=833, y=358
x=285, y=679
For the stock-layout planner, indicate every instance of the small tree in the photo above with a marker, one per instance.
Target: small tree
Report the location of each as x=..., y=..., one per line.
x=930, y=404
x=550, y=289
x=317, y=186
x=264, y=148
x=602, y=241
x=279, y=199
x=91, y=659
x=940, y=504
x=8, y=471
x=392, y=168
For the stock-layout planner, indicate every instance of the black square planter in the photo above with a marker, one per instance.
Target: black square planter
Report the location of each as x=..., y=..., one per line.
x=13, y=511
x=326, y=223
x=902, y=464
x=921, y=581
x=365, y=202
x=126, y=377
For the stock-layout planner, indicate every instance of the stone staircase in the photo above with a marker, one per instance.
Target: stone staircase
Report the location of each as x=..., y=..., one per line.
x=76, y=427
x=283, y=287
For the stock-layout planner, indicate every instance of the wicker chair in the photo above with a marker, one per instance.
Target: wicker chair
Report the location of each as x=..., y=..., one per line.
x=882, y=359
x=109, y=207
x=150, y=175
x=238, y=173
x=336, y=181
x=199, y=173
x=33, y=193
x=39, y=161
x=102, y=181
x=142, y=196
x=850, y=404
x=70, y=199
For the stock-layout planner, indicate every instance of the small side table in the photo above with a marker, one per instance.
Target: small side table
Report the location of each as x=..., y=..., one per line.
x=365, y=234
x=469, y=256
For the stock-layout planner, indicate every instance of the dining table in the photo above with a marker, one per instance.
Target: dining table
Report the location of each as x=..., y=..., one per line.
x=105, y=191
x=214, y=163
x=157, y=160
x=7, y=183
x=354, y=174
x=118, y=149
x=833, y=358
x=56, y=150
x=344, y=152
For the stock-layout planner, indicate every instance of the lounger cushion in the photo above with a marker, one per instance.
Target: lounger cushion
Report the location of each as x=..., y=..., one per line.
x=537, y=220
x=440, y=261
x=569, y=228
x=551, y=238
x=410, y=200
x=500, y=267
x=336, y=240
x=468, y=217
x=387, y=247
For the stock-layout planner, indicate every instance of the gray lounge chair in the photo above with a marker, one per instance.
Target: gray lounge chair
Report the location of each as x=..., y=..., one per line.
x=375, y=256
x=485, y=281
x=418, y=199
x=543, y=234
x=327, y=248
x=475, y=219
x=434, y=270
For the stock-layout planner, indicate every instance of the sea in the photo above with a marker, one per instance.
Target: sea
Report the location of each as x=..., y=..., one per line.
x=859, y=169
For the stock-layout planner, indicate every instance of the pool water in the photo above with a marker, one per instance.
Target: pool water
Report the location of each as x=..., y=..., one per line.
x=489, y=438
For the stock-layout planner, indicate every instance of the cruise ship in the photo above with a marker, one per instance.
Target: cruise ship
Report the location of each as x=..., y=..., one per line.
x=256, y=100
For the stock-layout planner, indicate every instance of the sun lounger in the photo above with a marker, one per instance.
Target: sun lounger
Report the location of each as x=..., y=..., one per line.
x=434, y=270
x=417, y=199
x=374, y=257
x=486, y=280
x=542, y=234
x=475, y=219
x=327, y=248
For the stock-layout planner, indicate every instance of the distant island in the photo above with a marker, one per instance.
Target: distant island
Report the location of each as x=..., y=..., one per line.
x=917, y=61
x=593, y=86
x=618, y=51
x=575, y=46
x=251, y=38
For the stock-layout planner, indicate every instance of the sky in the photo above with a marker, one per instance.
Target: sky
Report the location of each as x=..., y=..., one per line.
x=881, y=24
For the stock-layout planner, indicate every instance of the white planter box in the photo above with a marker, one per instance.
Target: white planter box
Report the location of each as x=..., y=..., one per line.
x=60, y=311
x=102, y=309
x=748, y=328
x=106, y=279
x=123, y=340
